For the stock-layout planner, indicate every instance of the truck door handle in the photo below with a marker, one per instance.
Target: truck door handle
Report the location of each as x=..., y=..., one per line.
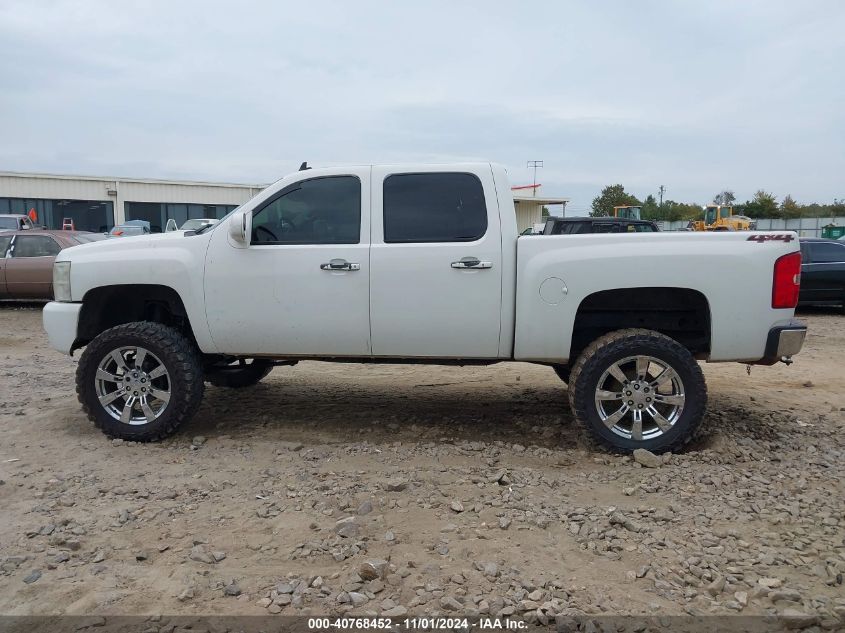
x=471, y=262
x=340, y=264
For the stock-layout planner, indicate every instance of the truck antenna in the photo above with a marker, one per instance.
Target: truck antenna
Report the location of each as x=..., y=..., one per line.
x=304, y=166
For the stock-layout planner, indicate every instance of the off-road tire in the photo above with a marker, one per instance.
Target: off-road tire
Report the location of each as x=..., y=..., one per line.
x=240, y=377
x=562, y=372
x=612, y=347
x=179, y=355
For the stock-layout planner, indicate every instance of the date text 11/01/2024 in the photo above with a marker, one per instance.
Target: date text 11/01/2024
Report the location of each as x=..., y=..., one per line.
x=423, y=624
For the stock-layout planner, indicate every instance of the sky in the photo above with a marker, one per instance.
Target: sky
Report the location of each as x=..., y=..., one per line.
x=695, y=96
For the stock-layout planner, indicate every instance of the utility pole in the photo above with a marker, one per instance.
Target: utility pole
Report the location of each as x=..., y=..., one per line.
x=535, y=164
x=661, y=190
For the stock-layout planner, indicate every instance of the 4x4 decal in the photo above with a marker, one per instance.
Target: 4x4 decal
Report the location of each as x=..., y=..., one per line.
x=781, y=237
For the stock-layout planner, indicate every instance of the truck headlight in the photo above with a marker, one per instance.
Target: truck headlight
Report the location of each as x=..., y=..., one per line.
x=61, y=281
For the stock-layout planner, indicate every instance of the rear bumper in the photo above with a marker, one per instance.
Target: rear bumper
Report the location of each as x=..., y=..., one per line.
x=60, y=322
x=784, y=341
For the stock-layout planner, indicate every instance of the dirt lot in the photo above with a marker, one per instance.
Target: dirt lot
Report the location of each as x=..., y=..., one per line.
x=474, y=484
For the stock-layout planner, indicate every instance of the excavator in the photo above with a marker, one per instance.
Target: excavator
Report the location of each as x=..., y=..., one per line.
x=720, y=217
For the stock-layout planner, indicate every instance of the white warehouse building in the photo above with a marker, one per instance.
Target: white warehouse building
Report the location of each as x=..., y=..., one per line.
x=97, y=203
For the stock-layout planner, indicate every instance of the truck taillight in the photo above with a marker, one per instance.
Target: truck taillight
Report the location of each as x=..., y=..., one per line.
x=787, y=281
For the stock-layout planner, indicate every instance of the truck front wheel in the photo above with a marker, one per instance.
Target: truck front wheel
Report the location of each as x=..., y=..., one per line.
x=638, y=389
x=140, y=381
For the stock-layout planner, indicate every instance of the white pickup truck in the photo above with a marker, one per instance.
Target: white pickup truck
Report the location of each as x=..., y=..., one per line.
x=419, y=263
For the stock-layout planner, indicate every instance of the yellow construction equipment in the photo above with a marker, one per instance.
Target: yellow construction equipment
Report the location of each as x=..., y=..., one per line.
x=719, y=217
x=629, y=213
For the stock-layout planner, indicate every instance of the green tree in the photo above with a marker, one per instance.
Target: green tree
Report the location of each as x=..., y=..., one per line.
x=762, y=205
x=789, y=208
x=650, y=209
x=612, y=196
x=725, y=197
x=672, y=211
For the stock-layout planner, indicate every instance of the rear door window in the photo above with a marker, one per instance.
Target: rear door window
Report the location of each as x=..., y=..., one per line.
x=434, y=207
x=35, y=246
x=823, y=252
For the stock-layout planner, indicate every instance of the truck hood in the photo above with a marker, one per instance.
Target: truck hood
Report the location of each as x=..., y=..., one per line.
x=131, y=244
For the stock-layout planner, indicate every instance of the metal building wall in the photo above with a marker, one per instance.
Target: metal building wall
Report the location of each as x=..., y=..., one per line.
x=120, y=190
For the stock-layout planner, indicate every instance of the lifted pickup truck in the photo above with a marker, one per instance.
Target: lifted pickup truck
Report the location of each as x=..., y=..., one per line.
x=419, y=263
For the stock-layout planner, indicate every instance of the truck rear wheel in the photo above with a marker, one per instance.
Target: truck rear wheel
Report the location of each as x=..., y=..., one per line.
x=140, y=381
x=638, y=389
x=239, y=374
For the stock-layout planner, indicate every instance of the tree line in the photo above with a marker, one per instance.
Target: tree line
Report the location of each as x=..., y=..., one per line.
x=762, y=205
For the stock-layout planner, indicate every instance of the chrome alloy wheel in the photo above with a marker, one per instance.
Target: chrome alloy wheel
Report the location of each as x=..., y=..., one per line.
x=132, y=385
x=640, y=397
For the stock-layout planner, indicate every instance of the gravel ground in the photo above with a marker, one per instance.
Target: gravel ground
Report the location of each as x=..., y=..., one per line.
x=339, y=488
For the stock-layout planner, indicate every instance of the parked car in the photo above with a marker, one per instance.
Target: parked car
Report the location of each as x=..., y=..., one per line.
x=130, y=228
x=567, y=226
x=16, y=222
x=822, y=272
x=420, y=264
x=26, y=260
x=194, y=224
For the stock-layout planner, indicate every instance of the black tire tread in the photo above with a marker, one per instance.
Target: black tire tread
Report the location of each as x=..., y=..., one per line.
x=618, y=340
x=563, y=372
x=187, y=368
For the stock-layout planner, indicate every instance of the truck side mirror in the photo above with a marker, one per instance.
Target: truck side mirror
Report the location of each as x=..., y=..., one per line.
x=240, y=227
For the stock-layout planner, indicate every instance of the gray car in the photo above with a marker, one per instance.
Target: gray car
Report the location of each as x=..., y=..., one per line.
x=15, y=222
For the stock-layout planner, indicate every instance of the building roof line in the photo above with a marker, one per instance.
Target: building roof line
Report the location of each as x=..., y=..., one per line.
x=190, y=183
x=543, y=200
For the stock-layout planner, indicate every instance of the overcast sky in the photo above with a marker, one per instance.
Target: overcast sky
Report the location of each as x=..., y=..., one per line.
x=697, y=96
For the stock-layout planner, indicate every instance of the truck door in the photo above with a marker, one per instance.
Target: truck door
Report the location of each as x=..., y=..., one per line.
x=301, y=287
x=435, y=264
x=821, y=273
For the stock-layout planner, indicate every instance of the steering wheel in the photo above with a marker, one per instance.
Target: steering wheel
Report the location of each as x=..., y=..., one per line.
x=272, y=235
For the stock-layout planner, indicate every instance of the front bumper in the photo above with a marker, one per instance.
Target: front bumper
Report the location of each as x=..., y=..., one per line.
x=784, y=341
x=60, y=322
